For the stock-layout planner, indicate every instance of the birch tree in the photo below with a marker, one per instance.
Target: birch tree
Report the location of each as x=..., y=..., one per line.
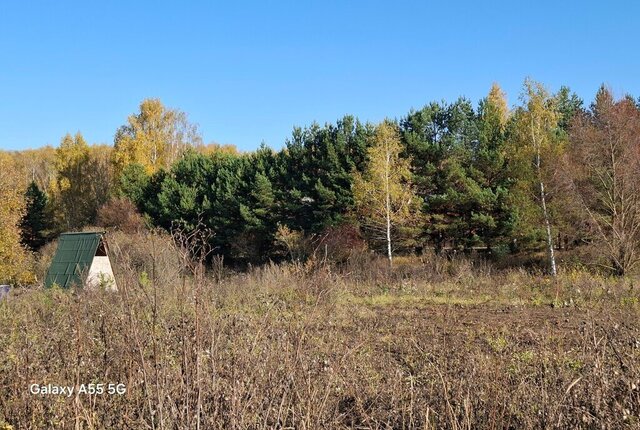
x=384, y=196
x=83, y=181
x=155, y=137
x=537, y=135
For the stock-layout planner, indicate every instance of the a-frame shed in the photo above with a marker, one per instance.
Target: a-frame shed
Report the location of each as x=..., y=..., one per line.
x=81, y=259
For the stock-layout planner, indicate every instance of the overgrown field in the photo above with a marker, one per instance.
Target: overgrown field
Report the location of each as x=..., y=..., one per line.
x=435, y=343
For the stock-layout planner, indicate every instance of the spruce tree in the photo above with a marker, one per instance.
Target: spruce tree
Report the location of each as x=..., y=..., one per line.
x=34, y=224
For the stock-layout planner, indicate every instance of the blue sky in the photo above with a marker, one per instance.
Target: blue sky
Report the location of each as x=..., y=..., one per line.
x=247, y=72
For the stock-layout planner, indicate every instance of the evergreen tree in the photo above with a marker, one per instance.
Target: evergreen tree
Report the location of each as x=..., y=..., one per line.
x=35, y=222
x=316, y=168
x=441, y=140
x=201, y=188
x=132, y=183
x=460, y=168
x=568, y=105
x=259, y=207
x=496, y=215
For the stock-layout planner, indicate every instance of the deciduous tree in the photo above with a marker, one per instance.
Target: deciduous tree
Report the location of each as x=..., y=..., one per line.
x=155, y=137
x=83, y=181
x=385, y=200
x=604, y=163
x=538, y=146
x=13, y=256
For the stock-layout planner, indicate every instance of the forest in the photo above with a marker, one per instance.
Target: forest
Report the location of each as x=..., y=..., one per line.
x=550, y=173
x=459, y=267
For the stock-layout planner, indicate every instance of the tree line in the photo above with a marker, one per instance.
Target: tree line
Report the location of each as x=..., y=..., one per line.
x=546, y=174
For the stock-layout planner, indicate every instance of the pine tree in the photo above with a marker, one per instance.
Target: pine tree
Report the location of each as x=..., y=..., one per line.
x=568, y=105
x=132, y=183
x=495, y=213
x=315, y=170
x=441, y=140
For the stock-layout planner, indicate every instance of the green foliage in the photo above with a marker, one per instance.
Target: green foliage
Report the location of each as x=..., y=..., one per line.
x=473, y=170
x=568, y=105
x=315, y=170
x=460, y=171
x=133, y=182
x=465, y=166
x=208, y=189
x=35, y=224
x=243, y=197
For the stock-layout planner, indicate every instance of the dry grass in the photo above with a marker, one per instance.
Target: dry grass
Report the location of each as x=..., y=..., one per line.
x=432, y=344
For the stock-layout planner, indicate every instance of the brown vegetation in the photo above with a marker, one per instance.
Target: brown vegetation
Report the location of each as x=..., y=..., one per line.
x=121, y=214
x=434, y=343
x=604, y=166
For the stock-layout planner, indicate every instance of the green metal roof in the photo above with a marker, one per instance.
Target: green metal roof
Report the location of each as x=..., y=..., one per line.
x=73, y=257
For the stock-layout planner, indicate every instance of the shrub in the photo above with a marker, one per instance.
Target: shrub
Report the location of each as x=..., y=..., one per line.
x=120, y=214
x=338, y=244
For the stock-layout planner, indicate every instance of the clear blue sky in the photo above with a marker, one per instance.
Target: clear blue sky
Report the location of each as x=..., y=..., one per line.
x=248, y=72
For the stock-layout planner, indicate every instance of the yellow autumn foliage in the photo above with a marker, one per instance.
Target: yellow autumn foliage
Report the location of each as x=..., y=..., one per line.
x=154, y=138
x=497, y=100
x=14, y=259
x=386, y=203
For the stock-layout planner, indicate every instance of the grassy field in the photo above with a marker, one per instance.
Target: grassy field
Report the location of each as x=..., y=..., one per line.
x=433, y=343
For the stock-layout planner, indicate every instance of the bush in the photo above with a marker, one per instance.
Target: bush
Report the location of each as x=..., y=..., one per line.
x=43, y=260
x=120, y=214
x=340, y=243
x=149, y=252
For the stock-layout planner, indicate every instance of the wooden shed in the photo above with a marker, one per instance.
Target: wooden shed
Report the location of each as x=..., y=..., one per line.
x=81, y=259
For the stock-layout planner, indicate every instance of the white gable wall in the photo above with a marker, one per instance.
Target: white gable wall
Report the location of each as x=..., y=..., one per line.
x=101, y=272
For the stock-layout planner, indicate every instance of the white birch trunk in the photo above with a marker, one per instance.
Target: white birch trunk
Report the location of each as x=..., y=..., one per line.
x=552, y=257
x=388, y=207
x=545, y=214
x=543, y=203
